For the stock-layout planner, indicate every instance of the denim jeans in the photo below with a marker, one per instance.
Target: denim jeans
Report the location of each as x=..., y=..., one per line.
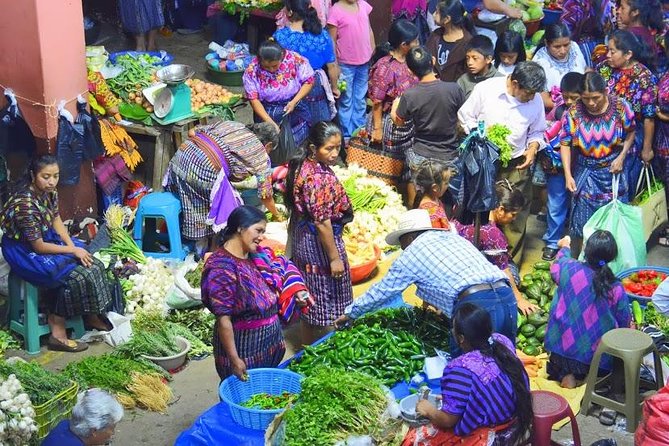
x=501, y=304
x=558, y=205
x=352, y=102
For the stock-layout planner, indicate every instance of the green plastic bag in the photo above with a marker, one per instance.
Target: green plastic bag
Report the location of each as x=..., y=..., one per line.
x=625, y=222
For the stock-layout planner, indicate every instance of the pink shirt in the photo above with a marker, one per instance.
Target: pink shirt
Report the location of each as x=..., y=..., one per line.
x=354, y=46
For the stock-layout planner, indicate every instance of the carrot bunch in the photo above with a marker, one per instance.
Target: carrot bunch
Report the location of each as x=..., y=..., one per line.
x=532, y=364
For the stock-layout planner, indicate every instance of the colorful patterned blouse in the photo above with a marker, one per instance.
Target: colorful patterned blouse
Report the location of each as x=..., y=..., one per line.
x=492, y=243
x=318, y=194
x=578, y=319
x=635, y=84
x=28, y=215
x=319, y=49
x=437, y=214
x=235, y=287
x=597, y=136
x=294, y=71
x=388, y=79
x=582, y=14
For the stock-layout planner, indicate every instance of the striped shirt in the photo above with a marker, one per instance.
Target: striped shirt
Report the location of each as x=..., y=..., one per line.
x=440, y=263
x=474, y=388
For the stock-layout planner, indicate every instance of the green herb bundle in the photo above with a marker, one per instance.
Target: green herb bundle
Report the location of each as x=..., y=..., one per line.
x=199, y=321
x=197, y=347
x=497, y=134
x=652, y=317
x=7, y=342
x=333, y=405
x=40, y=384
x=194, y=277
x=160, y=343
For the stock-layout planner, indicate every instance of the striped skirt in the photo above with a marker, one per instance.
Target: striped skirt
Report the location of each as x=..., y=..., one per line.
x=141, y=16
x=331, y=295
x=258, y=347
x=86, y=291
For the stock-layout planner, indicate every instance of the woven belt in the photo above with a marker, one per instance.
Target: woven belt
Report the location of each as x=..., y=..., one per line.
x=483, y=287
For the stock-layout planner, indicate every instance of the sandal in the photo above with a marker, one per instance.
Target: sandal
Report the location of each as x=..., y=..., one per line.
x=663, y=240
x=59, y=346
x=607, y=417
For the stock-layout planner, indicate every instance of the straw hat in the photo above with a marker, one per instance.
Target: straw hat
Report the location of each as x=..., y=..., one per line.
x=411, y=221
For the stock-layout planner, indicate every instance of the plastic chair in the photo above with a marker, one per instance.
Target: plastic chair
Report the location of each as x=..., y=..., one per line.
x=30, y=328
x=154, y=206
x=549, y=408
x=630, y=346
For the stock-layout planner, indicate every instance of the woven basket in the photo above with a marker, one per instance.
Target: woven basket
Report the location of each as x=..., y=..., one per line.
x=58, y=408
x=374, y=160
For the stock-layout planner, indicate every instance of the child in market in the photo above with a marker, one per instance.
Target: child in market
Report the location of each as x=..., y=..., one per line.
x=550, y=161
x=431, y=180
x=479, y=58
x=351, y=32
x=509, y=50
x=589, y=302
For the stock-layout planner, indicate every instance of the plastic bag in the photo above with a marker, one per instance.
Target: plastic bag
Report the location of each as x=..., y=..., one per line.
x=178, y=300
x=654, y=427
x=92, y=138
x=70, y=150
x=651, y=199
x=478, y=163
x=182, y=284
x=15, y=134
x=287, y=146
x=625, y=222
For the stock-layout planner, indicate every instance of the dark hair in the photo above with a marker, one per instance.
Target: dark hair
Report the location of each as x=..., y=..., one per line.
x=35, y=165
x=458, y=14
x=572, y=82
x=474, y=323
x=510, y=42
x=509, y=197
x=430, y=172
x=270, y=51
x=600, y=249
x=553, y=32
x=530, y=76
x=265, y=132
x=626, y=41
x=419, y=61
x=593, y=82
x=302, y=10
x=318, y=134
x=401, y=31
x=241, y=218
x=481, y=44
x=650, y=13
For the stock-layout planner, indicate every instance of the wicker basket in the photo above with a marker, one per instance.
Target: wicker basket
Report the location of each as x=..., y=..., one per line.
x=58, y=408
x=377, y=162
x=234, y=392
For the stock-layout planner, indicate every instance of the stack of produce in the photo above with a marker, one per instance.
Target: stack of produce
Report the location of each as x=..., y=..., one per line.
x=205, y=95
x=100, y=96
x=265, y=401
x=539, y=289
x=649, y=316
x=17, y=416
x=334, y=405
x=138, y=73
x=149, y=287
x=377, y=208
x=531, y=10
x=643, y=283
x=199, y=321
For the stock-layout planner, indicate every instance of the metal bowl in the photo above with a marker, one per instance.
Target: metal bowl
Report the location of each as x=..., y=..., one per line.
x=175, y=74
x=408, y=409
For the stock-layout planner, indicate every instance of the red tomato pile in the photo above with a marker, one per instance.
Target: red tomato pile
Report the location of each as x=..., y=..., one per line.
x=643, y=283
x=553, y=5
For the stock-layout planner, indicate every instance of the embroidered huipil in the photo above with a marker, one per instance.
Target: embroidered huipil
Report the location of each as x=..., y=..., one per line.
x=318, y=193
x=283, y=85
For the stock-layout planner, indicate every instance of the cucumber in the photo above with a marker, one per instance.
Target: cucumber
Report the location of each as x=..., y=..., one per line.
x=528, y=330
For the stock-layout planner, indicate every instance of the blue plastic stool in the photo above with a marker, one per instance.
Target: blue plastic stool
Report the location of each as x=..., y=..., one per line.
x=159, y=205
x=29, y=328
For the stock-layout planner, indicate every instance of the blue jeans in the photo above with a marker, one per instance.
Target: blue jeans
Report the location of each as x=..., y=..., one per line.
x=352, y=102
x=558, y=205
x=501, y=304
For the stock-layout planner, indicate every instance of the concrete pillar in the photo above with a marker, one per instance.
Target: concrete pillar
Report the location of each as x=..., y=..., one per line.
x=42, y=58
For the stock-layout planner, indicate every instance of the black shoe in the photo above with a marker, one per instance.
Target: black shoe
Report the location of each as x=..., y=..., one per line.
x=549, y=254
x=542, y=217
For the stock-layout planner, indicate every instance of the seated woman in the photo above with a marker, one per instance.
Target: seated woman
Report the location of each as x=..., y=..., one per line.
x=485, y=392
x=243, y=291
x=492, y=241
x=39, y=250
x=590, y=301
x=93, y=421
x=212, y=157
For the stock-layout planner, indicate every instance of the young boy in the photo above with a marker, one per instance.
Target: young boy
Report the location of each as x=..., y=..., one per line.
x=479, y=60
x=558, y=197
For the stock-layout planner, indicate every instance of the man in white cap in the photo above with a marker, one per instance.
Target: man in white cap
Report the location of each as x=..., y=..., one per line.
x=447, y=271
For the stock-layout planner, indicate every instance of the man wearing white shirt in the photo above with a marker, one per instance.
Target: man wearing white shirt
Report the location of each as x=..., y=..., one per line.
x=513, y=101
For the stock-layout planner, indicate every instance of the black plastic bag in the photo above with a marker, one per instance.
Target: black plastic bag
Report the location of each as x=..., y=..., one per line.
x=478, y=164
x=287, y=148
x=70, y=151
x=15, y=134
x=92, y=138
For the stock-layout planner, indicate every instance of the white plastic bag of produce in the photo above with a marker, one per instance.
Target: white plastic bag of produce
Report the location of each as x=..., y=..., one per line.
x=182, y=283
x=121, y=332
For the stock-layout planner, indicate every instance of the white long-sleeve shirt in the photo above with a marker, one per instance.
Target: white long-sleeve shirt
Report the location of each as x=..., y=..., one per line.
x=491, y=103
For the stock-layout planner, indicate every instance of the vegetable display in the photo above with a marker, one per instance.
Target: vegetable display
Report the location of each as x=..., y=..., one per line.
x=199, y=321
x=652, y=317
x=498, y=134
x=644, y=282
x=138, y=73
x=7, y=342
x=194, y=277
x=333, y=405
x=265, y=401
x=149, y=287
x=40, y=384
x=539, y=289
x=205, y=93
x=17, y=416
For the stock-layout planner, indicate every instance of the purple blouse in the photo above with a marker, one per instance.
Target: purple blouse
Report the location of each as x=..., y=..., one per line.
x=282, y=85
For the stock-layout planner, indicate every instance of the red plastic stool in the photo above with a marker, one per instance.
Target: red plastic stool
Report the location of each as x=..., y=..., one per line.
x=549, y=408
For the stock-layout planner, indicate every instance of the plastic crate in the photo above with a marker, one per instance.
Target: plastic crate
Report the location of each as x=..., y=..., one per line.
x=58, y=408
x=234, y=392
x=643, y=300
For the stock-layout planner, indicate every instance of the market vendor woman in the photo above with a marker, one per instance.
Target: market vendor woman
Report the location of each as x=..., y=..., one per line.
x=39, y=250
